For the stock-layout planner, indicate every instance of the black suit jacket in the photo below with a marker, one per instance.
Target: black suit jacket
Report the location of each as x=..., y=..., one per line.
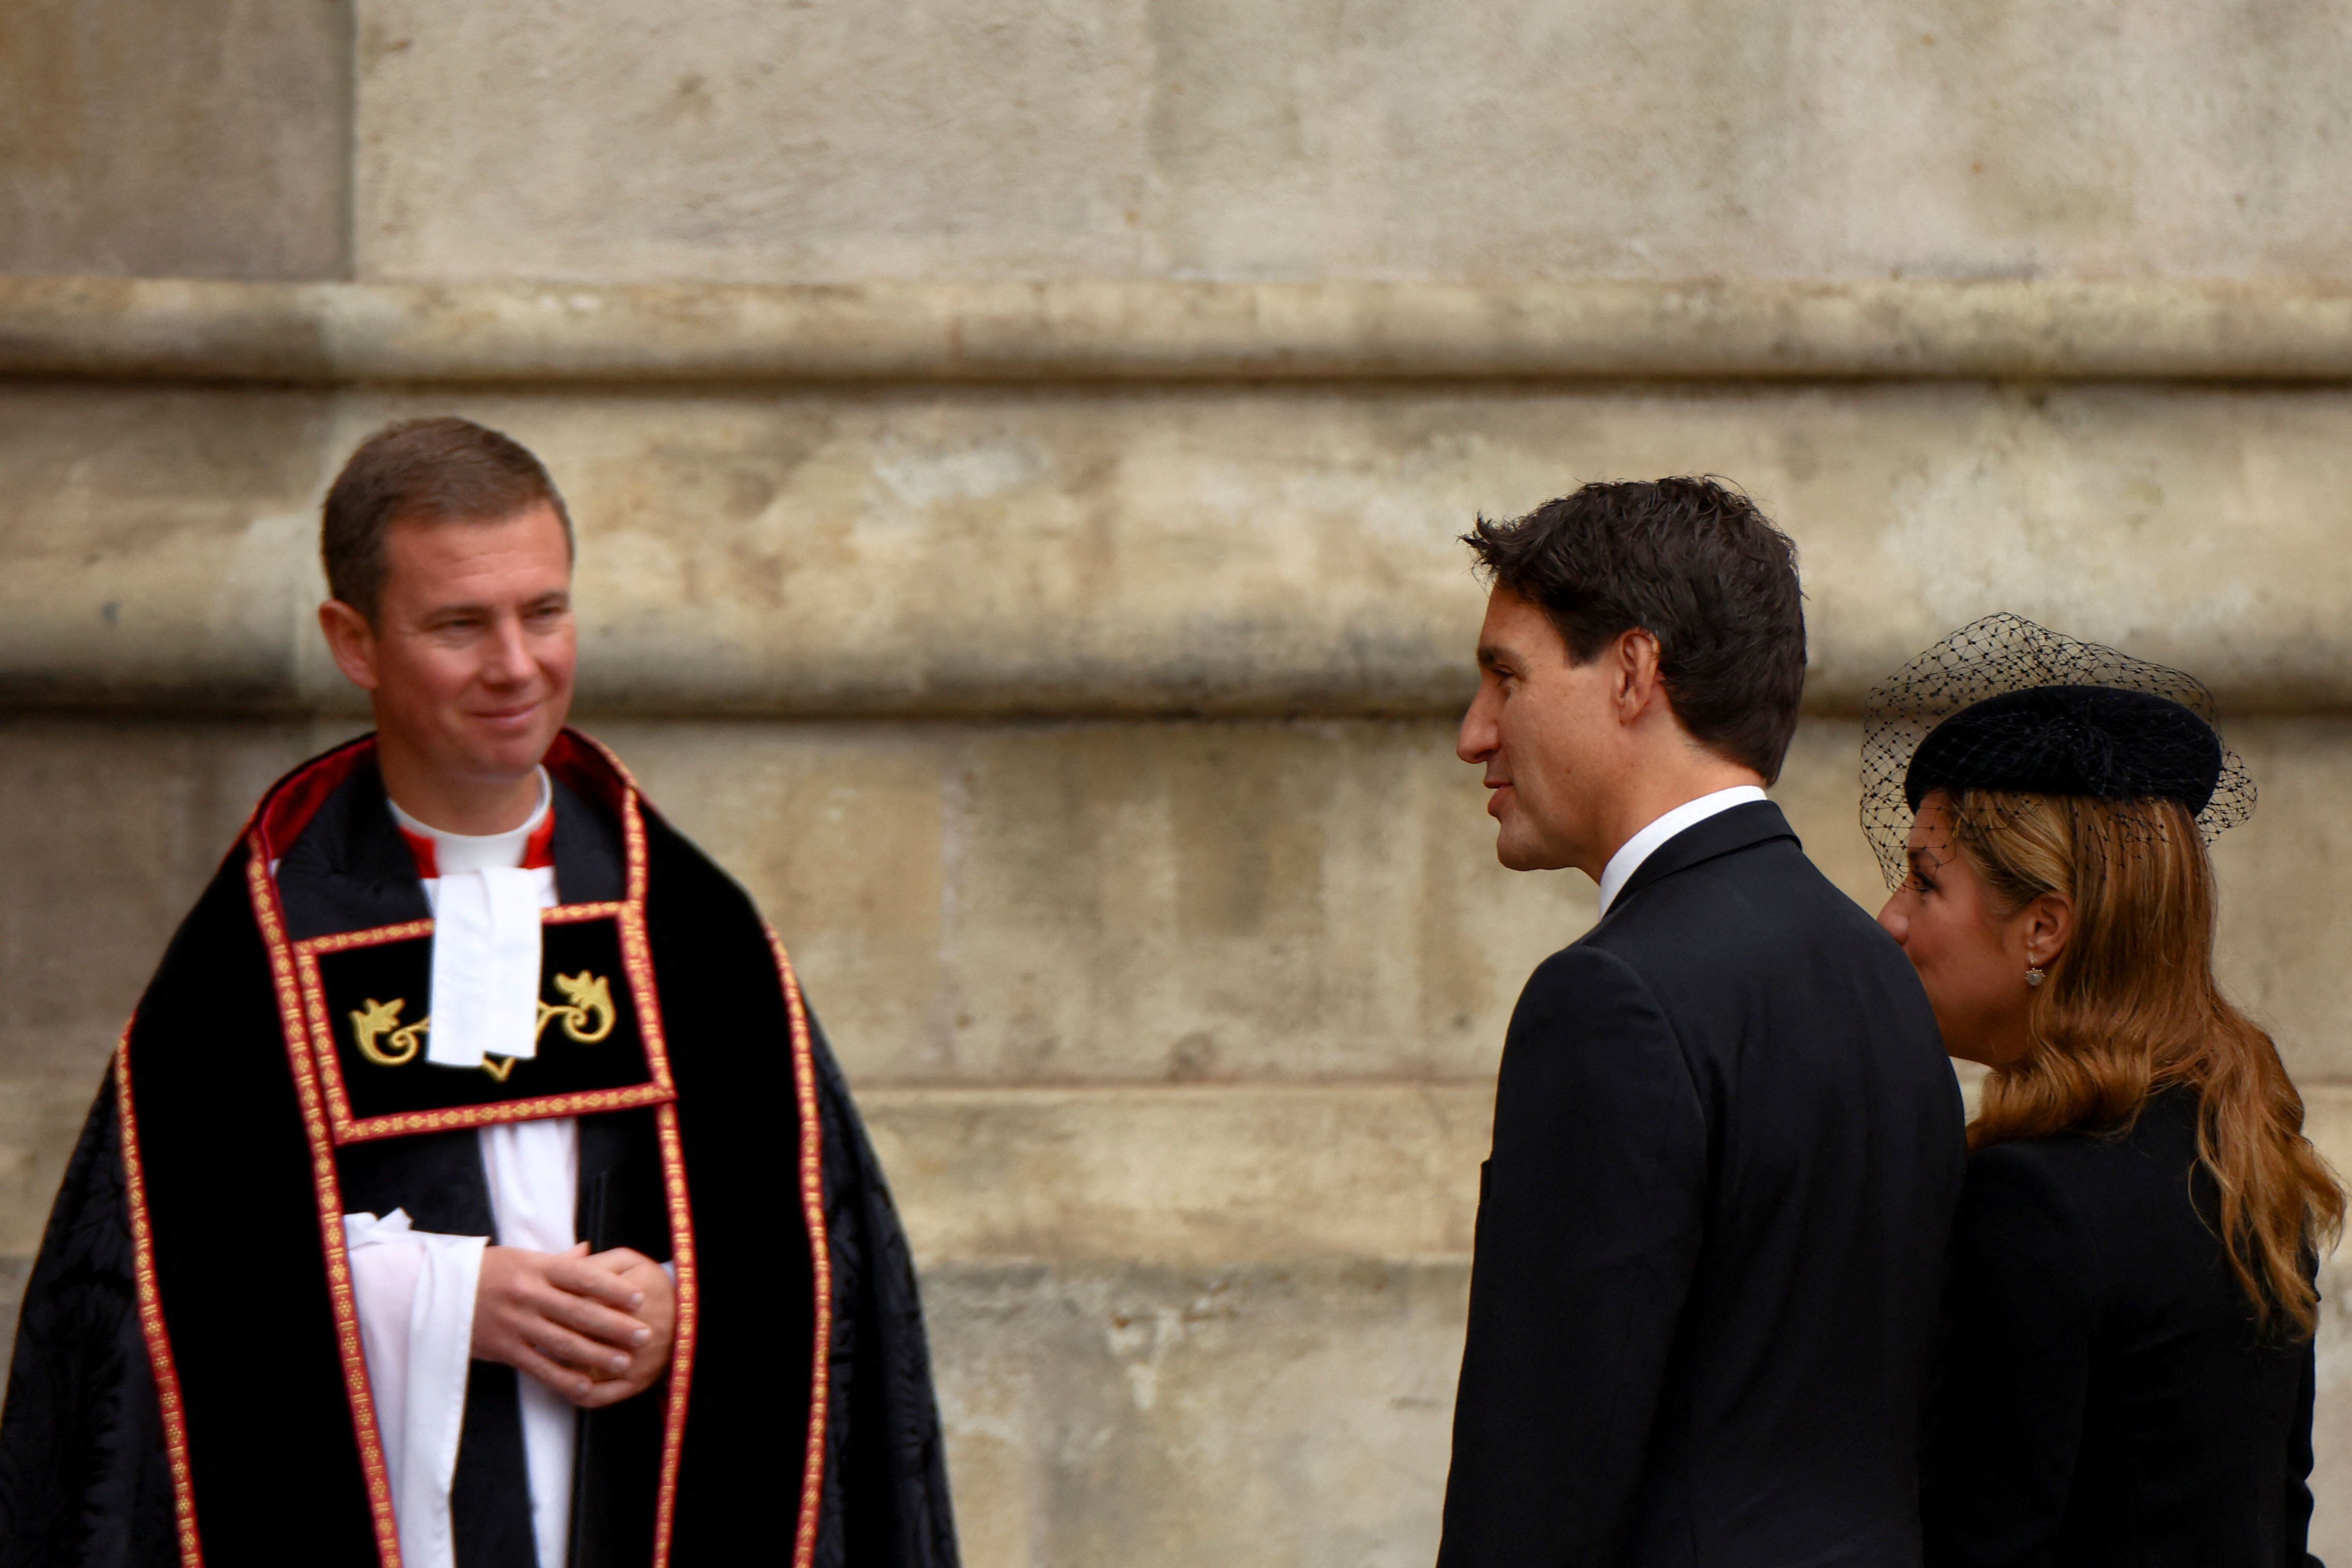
x=1711, y=1237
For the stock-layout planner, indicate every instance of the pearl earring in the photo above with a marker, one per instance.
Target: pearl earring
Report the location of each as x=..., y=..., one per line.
x=2035, y=976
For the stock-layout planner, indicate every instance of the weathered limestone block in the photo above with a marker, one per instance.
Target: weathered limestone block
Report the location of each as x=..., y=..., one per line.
x=729, y=136
x=1083, y=551
x=159, y=540
x=109, y=830
x=939, y=138
x=182, y=138
x=1270, y=1415
x=1060, y=904
x=1185, y=1175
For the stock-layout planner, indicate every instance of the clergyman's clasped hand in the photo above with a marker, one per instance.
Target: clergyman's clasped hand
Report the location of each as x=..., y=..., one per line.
x=595, y=1329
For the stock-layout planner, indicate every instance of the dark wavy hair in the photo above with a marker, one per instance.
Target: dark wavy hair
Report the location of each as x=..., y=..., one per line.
x=1694, y=563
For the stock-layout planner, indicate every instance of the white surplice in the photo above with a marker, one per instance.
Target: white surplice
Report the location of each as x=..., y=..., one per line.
x=411, y=1286
x=415, y=1289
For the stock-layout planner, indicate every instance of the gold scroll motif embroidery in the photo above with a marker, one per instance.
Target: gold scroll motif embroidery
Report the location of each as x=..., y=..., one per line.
x=591, y=996
x=378, y=1019
x=586, y=1013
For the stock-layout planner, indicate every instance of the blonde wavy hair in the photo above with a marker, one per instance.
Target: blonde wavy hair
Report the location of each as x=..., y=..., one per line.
x=2131, y=1009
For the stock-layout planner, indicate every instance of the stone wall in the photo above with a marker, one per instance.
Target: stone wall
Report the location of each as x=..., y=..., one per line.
x=1017, y=463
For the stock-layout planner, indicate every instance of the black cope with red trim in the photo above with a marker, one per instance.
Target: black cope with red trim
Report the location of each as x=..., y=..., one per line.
x=225, y=1104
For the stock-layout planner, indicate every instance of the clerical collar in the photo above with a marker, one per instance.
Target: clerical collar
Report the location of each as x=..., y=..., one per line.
x=1643, y=844
x=530, y=846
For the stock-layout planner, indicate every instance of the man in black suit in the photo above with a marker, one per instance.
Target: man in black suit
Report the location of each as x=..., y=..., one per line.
x=1727, y=1142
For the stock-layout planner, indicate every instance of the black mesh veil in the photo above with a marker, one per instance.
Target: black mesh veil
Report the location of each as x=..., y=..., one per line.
x=2004, y=703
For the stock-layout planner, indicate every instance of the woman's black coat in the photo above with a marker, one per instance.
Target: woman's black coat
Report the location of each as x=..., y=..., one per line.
x=2106, y=1396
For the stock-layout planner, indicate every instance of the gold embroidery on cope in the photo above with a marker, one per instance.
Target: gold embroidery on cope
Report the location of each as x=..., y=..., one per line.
x=591, y=996
x=587, y=1016
x=380, y=1018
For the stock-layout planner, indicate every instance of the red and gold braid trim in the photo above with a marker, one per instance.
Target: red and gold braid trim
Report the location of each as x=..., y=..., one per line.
x=636, y=947
x=681, y=1356
x=812, y=1175
x=636, y=957
x=328, y=1187
x=151, y=1315
x=588, y=1102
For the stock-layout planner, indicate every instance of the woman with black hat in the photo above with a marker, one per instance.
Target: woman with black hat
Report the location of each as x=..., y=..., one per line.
x=2129, y=1373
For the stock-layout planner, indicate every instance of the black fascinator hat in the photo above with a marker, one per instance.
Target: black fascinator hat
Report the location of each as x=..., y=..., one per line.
x=2004, y=703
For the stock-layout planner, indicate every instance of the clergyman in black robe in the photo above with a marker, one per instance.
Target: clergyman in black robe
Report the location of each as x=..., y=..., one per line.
x=472, y=1187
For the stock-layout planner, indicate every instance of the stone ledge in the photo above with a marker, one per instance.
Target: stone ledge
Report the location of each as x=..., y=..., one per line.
x=1212, y=1175
x=1190, y=1176
x=1735, y=330
x=1273, y=550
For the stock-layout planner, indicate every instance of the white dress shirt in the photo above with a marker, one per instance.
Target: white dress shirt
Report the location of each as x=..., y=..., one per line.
x=415, y=1288
x=1643, y=844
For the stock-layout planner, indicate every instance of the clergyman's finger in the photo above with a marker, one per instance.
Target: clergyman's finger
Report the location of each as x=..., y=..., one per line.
x=582, y=1277
x=601, y=1323
x=621, y=1260
x=565, y=1348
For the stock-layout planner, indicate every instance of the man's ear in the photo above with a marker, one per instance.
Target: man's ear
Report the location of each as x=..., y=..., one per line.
x=1633, y=664
x=352, y=640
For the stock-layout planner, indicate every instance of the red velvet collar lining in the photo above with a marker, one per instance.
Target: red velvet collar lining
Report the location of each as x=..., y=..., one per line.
x=538, y=851
x=293, y=800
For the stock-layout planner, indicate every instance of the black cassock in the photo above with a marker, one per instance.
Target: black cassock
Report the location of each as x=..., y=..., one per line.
x=188, y=1382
